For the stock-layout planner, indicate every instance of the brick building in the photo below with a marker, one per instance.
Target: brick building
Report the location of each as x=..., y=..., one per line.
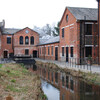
x=18, y=42
x=78, y=38
x=78, y=33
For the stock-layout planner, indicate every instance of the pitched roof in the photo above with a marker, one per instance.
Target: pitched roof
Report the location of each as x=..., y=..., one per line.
x=10, y=30
x=79, y=13
x=49, y=41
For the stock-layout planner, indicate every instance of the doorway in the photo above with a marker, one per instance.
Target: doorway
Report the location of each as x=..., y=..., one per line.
x=67, y=54
x=35, y=54
x=5, y=54
x=56, y=53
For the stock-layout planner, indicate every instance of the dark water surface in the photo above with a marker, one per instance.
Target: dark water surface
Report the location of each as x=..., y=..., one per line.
x=67, y=86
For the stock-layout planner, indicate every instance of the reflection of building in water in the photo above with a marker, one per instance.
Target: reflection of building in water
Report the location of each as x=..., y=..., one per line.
x=71, y=88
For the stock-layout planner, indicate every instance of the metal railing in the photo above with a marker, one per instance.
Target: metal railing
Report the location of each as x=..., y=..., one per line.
x=83, y=63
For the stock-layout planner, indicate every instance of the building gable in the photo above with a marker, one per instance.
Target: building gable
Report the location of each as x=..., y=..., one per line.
x=67, y=18
x=26, y=31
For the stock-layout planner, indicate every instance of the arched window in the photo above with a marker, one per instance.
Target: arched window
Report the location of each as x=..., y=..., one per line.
x=32, y=40
x=21, y=40
x=26, y=40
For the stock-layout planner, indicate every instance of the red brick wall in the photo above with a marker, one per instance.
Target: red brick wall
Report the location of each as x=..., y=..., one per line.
x=70, y=34
x=20, y=49
x=44, y=54
x=5, y=46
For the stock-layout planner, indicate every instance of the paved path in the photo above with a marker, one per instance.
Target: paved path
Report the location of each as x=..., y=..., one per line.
x=84, y=68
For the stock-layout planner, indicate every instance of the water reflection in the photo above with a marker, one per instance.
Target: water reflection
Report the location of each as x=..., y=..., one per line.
x=71, y=88
x=51, y=92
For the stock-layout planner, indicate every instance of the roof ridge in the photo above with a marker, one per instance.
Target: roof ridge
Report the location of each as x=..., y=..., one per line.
x=81, y=7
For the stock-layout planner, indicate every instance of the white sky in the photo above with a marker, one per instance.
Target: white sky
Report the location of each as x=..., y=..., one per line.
x=23, y=13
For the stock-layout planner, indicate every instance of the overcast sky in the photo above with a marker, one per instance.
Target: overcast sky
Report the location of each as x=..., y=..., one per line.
x=23, y=13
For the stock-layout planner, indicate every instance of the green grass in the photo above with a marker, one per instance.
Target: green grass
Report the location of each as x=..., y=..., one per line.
x=0, y=65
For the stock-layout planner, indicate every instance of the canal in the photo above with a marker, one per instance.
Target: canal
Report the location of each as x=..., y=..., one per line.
x=58, y=85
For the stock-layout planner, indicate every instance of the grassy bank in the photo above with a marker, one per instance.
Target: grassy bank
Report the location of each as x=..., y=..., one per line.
x=19, y=83
x=91, y=78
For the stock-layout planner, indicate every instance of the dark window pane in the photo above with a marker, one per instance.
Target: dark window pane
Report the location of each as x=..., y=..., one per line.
x=56, y=77
x=71, y=51
x=26, y=51
x=63, y=81
x=67, y=81
x=71, y=84
x=52, y=76
x=62, y=51
x=88, y=28
x=88, y=51
x=26, y=40
x=32, y=40
x=48, y=75
x=52, y=50
x=8, y=40
x=63, y=32
x=48, y=51
x=67, y=18
x=21, y=40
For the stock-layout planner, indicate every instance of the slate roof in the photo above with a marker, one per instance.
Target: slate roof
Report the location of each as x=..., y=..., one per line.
x=79, y=13
x=10, y=30
x=49, y=41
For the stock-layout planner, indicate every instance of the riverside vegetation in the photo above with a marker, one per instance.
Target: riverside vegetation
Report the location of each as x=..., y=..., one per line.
x=18, y=83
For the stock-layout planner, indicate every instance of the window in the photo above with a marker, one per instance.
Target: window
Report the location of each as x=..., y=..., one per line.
x=48, y=75
x=48, y=51
x=52, y=50
x=8, y=40
x=56, y=77
x=32, y=40
x=67, y=18
x=40, y=50
x=26, y=40
x=45, y=50
x=63, y=32
x=62, y=51
x=88, y=28
x=71, y=51
x=88, y=51
x=52, y=76
x=21, y=40
x=67, y=81
x=26, y=51
x=63, y=80
x=71, y=84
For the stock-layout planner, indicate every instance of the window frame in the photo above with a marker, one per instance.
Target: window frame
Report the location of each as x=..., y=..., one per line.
x=52, y=50
x=71, y=51
x=27, y=53
x=87, y=29
x=62, y=32
x=48, y=50
x=32, y=40
x=26, y=43
x=67, y=18
x=63, y=51
x=21, y=40
x=8, y=41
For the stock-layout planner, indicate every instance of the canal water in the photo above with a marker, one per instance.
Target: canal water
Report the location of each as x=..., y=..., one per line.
x=51, y=92
x=61, y=86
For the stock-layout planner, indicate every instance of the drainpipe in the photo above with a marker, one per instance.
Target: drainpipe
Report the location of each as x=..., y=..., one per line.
x=98, y=35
